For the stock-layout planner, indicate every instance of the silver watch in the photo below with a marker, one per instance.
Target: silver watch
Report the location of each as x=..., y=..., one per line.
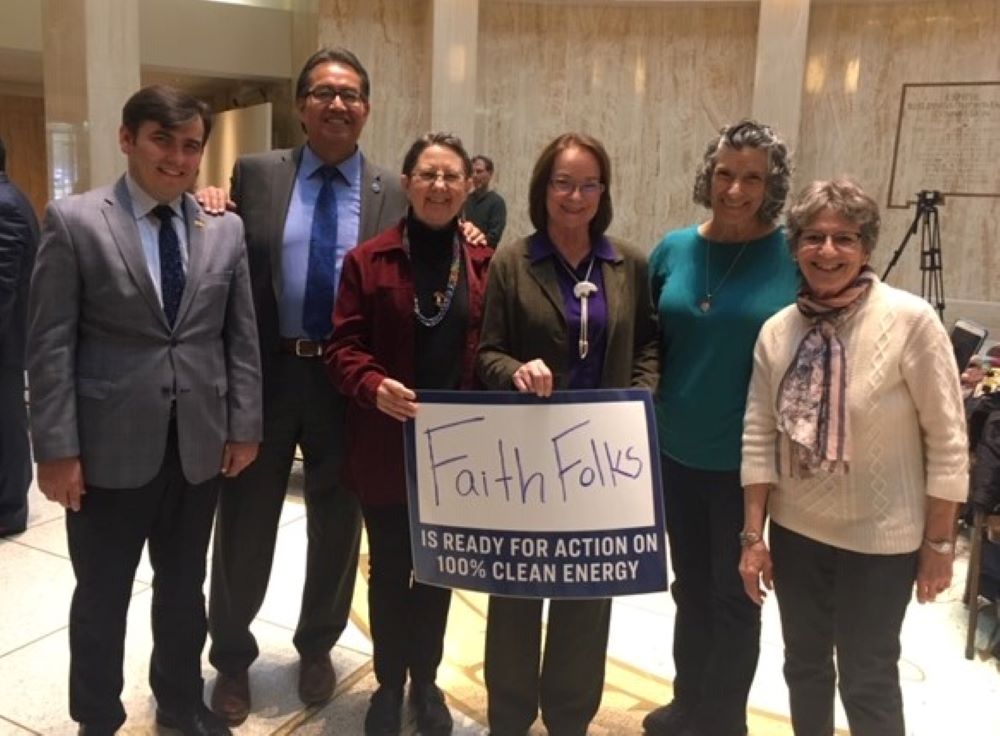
x=941, y=546
x=748, y=538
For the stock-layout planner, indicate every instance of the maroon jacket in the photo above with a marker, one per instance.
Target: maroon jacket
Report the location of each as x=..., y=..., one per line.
x=374, y=333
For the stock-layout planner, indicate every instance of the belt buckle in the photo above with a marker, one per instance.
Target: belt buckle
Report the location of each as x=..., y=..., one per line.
x=299, y=353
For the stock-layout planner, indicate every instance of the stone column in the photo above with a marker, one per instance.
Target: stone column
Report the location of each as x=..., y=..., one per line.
x=454, y=34
x=782, y=36
x=90, y=64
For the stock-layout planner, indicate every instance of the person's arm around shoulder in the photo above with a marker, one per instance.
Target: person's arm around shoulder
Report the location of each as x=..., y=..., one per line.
x=244, y=392
x=53, y=317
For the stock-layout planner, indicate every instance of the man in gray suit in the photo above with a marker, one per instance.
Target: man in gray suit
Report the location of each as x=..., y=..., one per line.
x=294, y=204
x=18, y=242
x=145, y=382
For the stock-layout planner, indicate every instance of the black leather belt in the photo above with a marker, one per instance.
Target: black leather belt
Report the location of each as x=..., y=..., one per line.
x=301, y=347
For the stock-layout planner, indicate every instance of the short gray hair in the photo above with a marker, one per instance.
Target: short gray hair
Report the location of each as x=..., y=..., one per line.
x=749, y=134
x=843, y=196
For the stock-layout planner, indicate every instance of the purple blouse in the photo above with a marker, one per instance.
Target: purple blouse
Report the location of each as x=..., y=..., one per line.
x=581, y=372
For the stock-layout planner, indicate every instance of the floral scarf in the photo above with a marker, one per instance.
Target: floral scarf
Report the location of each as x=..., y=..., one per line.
x=812, y=396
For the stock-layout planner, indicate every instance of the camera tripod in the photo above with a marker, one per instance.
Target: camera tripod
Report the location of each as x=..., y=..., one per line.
x=931, y=267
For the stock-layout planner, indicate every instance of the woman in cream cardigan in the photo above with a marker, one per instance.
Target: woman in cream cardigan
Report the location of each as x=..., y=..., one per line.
x=854, y=443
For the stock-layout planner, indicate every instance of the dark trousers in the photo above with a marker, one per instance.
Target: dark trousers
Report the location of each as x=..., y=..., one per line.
x=106, y=538
x=568, y=686
x=408, y=618
x=717, y=627
x=833, y=599
x=15, y=453
x=302, y=408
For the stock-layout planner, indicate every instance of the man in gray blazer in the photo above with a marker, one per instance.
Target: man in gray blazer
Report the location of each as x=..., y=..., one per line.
x=145, y=381
x=288, y=199
x=18, y=242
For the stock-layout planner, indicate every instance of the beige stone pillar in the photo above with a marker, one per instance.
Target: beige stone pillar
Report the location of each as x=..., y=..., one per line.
x=782, y=36
x=90, y=60
x=454, y=35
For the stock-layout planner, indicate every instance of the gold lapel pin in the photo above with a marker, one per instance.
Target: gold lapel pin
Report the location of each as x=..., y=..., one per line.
x=199, y=223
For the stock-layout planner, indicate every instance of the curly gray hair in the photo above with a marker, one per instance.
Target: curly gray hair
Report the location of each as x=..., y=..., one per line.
x=749, y=133
x=842, y=196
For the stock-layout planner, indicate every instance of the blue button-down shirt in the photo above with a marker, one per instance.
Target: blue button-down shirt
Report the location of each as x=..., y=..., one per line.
x=298, y=230
x=149, y=229
x=581, y=372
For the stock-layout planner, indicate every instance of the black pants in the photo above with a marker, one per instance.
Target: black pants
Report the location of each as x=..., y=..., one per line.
x=301, y=407
x=834, y=599
x=408, y=618
x=106, y=538
x=15, y=453
x=717, y=627
x=568, y=686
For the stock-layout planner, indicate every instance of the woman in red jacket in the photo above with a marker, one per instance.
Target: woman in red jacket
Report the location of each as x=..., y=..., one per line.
x=407, y=317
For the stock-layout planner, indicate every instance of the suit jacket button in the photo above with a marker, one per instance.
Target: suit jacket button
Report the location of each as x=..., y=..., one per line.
x=174, y=342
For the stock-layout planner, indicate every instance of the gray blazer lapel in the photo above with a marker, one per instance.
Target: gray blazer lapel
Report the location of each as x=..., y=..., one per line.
x=121, y=223
x=372, y=200
x=543, y=272
x=282, y=183
x=197, y=257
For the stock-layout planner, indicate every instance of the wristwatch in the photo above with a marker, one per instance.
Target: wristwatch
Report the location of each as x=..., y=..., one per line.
x=941, y=546
x=748, y=538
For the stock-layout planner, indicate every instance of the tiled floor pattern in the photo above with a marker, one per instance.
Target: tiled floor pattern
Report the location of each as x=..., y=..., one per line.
x=944, y=693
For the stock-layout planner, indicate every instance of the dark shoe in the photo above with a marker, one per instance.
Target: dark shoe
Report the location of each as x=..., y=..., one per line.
x=86, y=730
x=199, y=722
x=231, y=697
x=316, y=678
x=667, y=720
x=384, y=716
x=10, y=531
x=433, y=717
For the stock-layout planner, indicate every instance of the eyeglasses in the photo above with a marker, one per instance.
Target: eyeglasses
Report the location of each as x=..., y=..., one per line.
x=568, y=186
x=325, y=95
x=841, y=241
x=428, y=177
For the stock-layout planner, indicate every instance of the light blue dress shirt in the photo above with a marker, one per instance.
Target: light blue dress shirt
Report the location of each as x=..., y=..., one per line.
x=298, y=229
x=149, y=229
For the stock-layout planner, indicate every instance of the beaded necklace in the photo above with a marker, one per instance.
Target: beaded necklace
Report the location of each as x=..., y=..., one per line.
x=444, y=302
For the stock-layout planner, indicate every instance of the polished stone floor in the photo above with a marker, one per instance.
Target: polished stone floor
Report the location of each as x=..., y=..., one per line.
x=944, y=693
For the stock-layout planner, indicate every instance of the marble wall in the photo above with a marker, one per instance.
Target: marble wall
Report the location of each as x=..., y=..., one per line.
x=651, y=82
x=654, y=80
x=859, y=57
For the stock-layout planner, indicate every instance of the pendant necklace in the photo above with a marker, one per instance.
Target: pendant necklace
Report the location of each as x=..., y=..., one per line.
x=582, y=291
x=441, y=300
x=705, y=303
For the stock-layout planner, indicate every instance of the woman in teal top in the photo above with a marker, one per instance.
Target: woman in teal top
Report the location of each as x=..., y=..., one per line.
x=714, y=285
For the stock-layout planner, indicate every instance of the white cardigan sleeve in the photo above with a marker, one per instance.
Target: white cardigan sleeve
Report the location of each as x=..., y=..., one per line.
x=760, y=432
x=931, y=375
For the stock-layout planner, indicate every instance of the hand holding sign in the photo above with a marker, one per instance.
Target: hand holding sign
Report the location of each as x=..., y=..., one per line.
x=396, y=400
x=534, y=377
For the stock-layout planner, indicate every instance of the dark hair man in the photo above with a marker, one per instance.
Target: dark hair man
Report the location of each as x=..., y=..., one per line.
x=303, y=209
x=145, y=381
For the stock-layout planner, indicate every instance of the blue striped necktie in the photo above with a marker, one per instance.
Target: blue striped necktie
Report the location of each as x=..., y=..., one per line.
x=321, y=277
x=171, y=266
